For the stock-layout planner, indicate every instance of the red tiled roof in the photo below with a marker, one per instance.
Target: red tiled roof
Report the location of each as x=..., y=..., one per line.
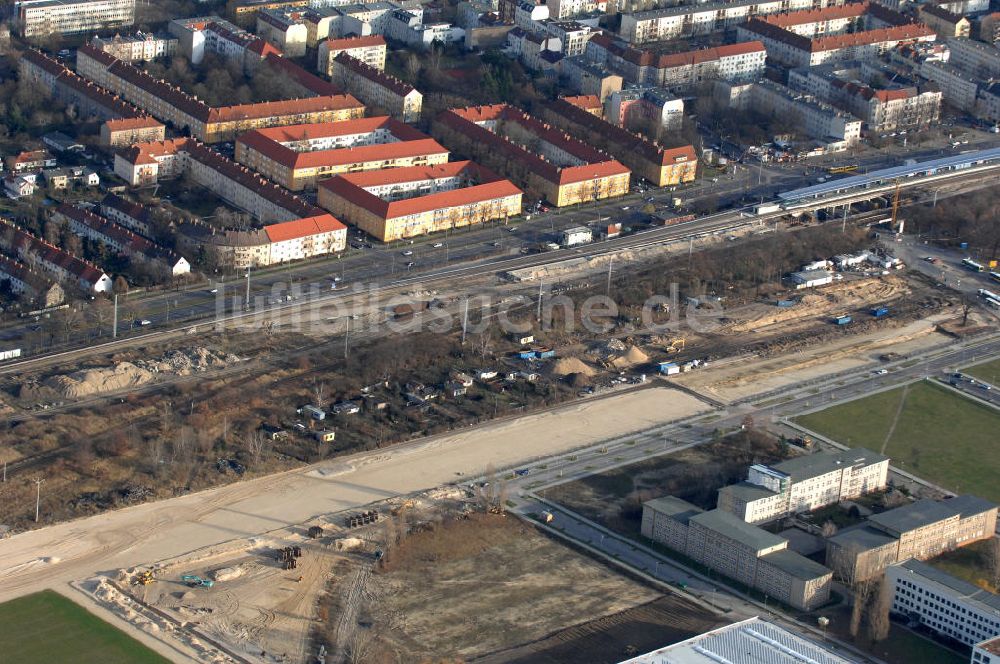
x=410, y=143
x=622, y=138
x=355, y=42
x=52, y=255
x=125, y=124
x=598, y=164
x=290, y=230
x=892, y=34
x=310, y=82
x=112, y=105
x=586, y=102
x=940, y=12
x=352, y=188
x=132, y=243
x=146, y=153
x=803, y=16
x=263, y=48
x=377, y=76
x=201, y=111
x=644, y=58
x=126, y=207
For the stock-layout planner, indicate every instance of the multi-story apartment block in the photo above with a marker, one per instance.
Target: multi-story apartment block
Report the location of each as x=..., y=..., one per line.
x=140, y=47
x=974, y=57
x=989, y=28
x=539, y=158
x=146, y=163
x=272, y=245
x=703, y=18
x=904, y=105
x=124, y=122
x=815, y=119
x=943, y=22
x=298, y=156
x=572, y=36
x=855, y=31
x=569, y=9
x=988, y=103
x=284, y=29
x=938, y=601
x=528, y=47
x=94, y=227
x=128, y=214
x=589, y=78
x=919, y=530
x=51, y=261
x=804, y=483
x=369, y=50
x=741, y=62
x=128, y=131
x=958, y=87
x=211, y=34
x=529, y=16
x=400, y=203
x=362, y=19
x=659, y=165
x=731, y=546
x=643, y=106
x=210, y=124
x=39, y=18
x=377, y=89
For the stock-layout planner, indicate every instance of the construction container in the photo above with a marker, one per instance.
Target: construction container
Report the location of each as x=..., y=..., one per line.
x=842, y=320
x=879, y=312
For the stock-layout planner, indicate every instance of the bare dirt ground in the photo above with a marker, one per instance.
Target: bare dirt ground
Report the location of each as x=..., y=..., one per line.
x=615, y=637
x=485, y=583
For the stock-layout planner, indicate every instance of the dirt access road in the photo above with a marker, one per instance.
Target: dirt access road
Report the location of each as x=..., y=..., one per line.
x=50, y=557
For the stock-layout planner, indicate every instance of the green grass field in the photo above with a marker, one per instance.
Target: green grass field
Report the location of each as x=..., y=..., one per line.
x=940, y=436
x=46, y=627
x=988, y=371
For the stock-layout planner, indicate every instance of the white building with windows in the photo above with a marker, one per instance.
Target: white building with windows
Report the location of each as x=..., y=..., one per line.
x=987, y=652
x=939, y=601
x=39, y=18
x=804, y=483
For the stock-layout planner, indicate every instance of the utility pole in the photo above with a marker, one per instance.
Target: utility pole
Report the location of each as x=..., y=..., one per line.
x=4, y=471
x=843, y=226
x=246, y=303
x=610, y=264
x=465, y=320
x=38, y=496
x=347, y=336
x=538, y=316
x=114, y=324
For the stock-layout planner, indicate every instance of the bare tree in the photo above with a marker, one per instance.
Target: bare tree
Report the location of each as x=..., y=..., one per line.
x=360, y=646
x=862, y=591
x=319, y=393
x=829, y=529
x=878, y=612
x=256, y=444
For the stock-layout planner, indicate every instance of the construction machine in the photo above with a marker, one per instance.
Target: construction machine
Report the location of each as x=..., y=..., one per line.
x=195, y=581
x=143, y=578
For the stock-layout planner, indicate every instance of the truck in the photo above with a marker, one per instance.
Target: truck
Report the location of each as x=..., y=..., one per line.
x=844, y=319
x=879, y=312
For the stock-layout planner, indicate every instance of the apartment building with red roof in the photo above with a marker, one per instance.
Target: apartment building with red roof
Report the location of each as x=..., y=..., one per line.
x=49, y=260
x=657, y=164
x=400, y=203
x=209, y=124
x=377, y=89
x=734, y=62
x=298, y=156
x=543, y=160
x=28, y=283
x=857, y=31
x=369, y=49
x=89, y=225
x=123, y=121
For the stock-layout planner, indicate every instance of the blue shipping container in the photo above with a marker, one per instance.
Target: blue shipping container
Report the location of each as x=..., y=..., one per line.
x=785, y=303
x=880, y=311
x=842, y=320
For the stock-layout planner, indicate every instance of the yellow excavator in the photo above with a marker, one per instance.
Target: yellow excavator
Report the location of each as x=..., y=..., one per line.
x=143, y=578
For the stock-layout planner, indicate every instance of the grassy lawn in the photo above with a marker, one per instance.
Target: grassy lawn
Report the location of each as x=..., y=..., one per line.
x=47, y=627
x=988, y=371
x=905, y=646
x=940, y=436
x=970, y=563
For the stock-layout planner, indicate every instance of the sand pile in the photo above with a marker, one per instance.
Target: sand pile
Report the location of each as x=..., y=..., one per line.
x=184, y=363
x=571, y=365
x=631, y=358
x=84, y=383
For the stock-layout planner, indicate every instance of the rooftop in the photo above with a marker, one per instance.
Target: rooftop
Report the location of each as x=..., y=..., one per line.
x=737, y=529
x=747, y=491
x=796, y=565
x=861, y=538
x=991, y=646
x=927, y=512
x=680, y=510
x=813, y=465
x=752, y=641
x=355, y=42
x=291, y=230
x=485, y=185
x=377, y=76
x=967, y=592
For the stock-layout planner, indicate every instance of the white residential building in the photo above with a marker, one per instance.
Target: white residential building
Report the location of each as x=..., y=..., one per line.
x=38, y=18
x=938, y=601
x=564, y=9
x=285, y=29
x=573, y=36
x=974, y=57
x=804, y=483
x=528, y=16
x=369, y=50
x=140, y=47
